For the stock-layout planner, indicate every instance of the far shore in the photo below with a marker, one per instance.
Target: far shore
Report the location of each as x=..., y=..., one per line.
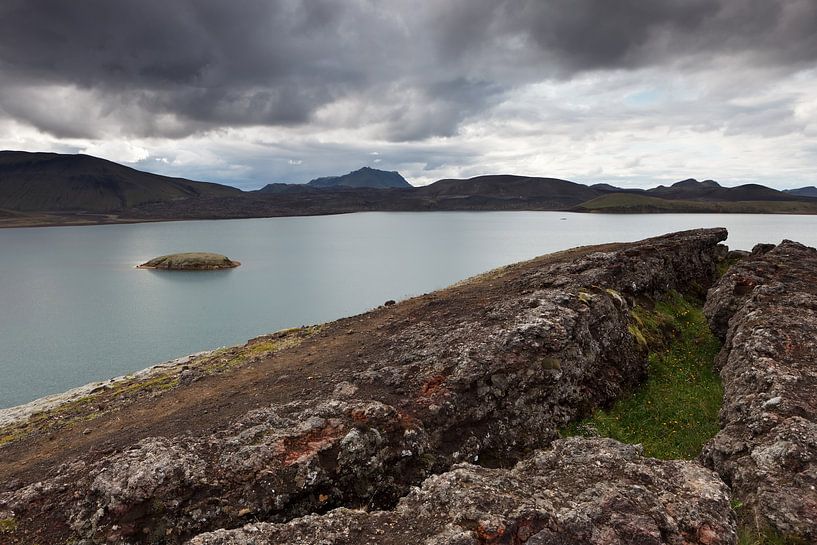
x=39, y=219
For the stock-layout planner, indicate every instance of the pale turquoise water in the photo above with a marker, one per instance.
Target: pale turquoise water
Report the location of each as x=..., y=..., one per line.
x=74, y=310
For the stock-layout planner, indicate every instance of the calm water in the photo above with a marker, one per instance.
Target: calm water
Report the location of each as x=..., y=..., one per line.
x=74, y=310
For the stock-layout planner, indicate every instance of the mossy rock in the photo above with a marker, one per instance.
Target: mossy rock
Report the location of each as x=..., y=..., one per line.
x=191, y=261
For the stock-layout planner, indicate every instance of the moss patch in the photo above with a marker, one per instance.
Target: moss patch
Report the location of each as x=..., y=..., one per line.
x=749, y=536
x=7, y=525
x=676, y=410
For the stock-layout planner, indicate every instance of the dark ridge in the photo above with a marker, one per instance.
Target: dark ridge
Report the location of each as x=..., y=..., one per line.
x=58, y=182
x=808, y=191
x=709, y=190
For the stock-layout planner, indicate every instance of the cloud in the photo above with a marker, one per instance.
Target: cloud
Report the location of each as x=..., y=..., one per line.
x=491, y=84
x=424, y=68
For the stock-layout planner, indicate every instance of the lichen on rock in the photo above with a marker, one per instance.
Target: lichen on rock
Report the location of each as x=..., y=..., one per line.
x=580, y=492
x=765, y=310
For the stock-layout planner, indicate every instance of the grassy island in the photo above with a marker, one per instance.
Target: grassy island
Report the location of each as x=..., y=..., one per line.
x=191, y=261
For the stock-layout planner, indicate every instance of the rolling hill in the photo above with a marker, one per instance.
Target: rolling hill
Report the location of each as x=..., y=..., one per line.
x=712, y=191
x=55, y=189
x=639, y=203
x=508, y=189
x=809, y=191
x=51, y=182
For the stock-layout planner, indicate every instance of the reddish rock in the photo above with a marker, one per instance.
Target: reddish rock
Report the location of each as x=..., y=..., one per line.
x=581, y=492
x=765, y=310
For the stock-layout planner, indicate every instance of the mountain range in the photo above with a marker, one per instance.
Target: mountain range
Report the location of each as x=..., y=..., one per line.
x=49, y=188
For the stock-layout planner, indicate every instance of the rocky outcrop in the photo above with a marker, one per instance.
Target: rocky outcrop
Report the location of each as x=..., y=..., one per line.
x=190, y=261
x=765, y=309
x=481, y=375
x=581, y=492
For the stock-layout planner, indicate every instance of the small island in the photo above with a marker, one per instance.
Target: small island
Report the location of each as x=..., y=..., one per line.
x=190, y=261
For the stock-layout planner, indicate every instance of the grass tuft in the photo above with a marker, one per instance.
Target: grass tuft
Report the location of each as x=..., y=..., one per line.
x=676, y=410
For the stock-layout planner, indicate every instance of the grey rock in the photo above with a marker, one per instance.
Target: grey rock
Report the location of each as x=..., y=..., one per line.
x=582, y=491
x=765, y=310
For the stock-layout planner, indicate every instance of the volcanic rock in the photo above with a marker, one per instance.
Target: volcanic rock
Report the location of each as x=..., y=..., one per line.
x=482, y=373
x=765, y=309
x=581, y=492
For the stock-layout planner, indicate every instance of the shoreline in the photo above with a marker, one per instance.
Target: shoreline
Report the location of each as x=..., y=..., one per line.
x=19, y=414
x=40, y=221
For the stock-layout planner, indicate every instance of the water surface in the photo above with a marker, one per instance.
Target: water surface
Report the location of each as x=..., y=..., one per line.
x=74, y=310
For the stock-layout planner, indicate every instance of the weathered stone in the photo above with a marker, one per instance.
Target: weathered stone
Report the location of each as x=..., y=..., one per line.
x=765, y=309
x=494, y=383
x=581, y=492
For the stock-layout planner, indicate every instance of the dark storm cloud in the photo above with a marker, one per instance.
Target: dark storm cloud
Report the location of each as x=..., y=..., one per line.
x=577, y=35
x=411, y=70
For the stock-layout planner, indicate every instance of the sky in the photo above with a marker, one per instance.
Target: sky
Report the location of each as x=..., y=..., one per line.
x=248, y=92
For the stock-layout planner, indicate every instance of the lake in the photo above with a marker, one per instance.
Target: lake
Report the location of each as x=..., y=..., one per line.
x=73, y=309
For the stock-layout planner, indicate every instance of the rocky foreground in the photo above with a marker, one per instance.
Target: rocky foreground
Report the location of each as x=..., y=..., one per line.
x=765, y=310
x=326, y=437
x=579, y=492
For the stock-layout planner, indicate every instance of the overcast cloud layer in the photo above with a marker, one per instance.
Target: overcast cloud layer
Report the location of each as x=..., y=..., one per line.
x=251, y=91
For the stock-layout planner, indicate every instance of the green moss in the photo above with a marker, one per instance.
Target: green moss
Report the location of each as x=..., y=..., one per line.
x=585, y=297
x=636, y=333
x=7, y=525
x=750, y=536
x=676, y=410
x=288, y=338
x=551, y=363
x=158, y=383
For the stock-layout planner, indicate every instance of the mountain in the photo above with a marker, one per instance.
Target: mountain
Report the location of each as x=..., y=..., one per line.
x=53, y=189
x=607, y=188
x=364, y=177
x=809, y=191
x=709, y=190
x=504, y=188
x=53, y=182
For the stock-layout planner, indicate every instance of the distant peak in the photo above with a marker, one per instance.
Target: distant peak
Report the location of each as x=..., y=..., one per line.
x=363, y=177
x=692, y=182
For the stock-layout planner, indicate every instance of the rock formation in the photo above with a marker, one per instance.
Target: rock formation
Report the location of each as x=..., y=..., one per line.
x=482, y=373
x=581, y=492
x=765, y=309
x=190, y=261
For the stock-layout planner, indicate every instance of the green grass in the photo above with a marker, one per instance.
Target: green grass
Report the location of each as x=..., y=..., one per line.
x=676, y=410
x=628, y=202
